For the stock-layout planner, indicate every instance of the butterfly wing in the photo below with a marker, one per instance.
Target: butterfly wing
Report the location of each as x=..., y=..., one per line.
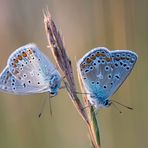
x=9, y=84
x=30, y=66
x=123, y=62
x=94, y=71
x=100, y=73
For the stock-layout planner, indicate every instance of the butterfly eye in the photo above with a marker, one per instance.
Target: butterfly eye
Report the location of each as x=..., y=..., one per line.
x=53, y=93
x=106, y=103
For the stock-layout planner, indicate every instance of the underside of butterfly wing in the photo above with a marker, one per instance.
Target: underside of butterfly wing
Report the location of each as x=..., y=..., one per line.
x=28, y=64
x=95, y=69
x=30, y=68
x=123, y=62
x=102, y=72
x=9, y=84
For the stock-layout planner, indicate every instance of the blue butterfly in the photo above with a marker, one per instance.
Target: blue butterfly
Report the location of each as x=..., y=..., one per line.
x=103, y=72
x=28, y=71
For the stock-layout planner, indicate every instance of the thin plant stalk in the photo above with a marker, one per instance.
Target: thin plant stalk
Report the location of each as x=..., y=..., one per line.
x=59, y=52
x=56, y=45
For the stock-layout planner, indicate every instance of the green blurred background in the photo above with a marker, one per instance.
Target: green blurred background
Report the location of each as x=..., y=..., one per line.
x=85, y=24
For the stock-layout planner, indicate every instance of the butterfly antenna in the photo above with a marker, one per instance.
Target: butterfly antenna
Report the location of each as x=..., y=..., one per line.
x=42, y=108
x=122, y=105
x=116, y=107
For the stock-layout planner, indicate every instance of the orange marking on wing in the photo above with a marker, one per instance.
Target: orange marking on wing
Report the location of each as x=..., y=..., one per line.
x=98, y=54
x=86, y=65
x=88, y=60
x=24, y=54
x=19, y=57
x=108, y=59
x=103, y=54
x=82, y=65
x=16, y=60
x=93, y=57
x=30, y=51
x=15, y=72
x=14, y=65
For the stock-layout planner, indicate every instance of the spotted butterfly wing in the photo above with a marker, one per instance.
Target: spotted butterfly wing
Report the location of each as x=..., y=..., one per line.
x=30, y=68
x=9, y=84
x=123, y=62
x=102, y=72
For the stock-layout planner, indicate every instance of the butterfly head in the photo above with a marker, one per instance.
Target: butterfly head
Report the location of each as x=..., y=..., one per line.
x=54, y=84
x=106, y=103
x=99, y=102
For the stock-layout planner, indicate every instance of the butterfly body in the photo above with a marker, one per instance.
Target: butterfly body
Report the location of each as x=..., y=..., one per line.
x=28, y=71
x=103, y=71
